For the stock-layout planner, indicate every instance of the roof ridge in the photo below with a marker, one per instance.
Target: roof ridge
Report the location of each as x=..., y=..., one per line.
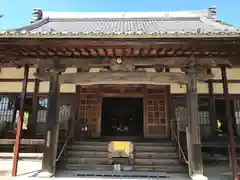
x=123, y=19
x=39, y=14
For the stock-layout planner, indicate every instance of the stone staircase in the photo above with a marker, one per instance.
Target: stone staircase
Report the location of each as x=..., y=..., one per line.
x=148, y=156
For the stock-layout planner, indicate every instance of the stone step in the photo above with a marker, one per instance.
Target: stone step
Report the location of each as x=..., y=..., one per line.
x=148, y=155
x=157, y=143
x=93, y=148
x=147, y=161
x=146, y=168
x=92, y=143
x=156, y=155
x=104, y=160
x=137, y=145
x=86, y=160
x=162, y=168
x=87, y=154
x=155, y=149
x=85, y=167
x=154, y=144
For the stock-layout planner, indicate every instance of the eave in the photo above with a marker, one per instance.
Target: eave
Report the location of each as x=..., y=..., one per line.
x=15, y=51
x=111, y=36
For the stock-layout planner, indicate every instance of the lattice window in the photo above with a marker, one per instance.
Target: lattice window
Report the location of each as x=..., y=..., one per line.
x=203, y=117
x=64, y=111
x=42, y=110
x=6, y=108
x=203, y=114
x=237, y=114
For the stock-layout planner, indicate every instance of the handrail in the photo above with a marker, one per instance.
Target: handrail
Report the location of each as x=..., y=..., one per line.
x=179, y=145
x=66, y=141
x=63, y=148
x=181, y=150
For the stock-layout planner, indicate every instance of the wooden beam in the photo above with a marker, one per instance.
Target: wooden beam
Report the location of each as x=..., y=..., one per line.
x=20, y=122
x=229, y=119
x=90, y=78
x=171, y=62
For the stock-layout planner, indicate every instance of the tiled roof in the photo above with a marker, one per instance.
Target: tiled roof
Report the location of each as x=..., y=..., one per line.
x=179, y=23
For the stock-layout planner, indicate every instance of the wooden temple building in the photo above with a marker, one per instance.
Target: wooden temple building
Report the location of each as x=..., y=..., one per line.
x=164, y=81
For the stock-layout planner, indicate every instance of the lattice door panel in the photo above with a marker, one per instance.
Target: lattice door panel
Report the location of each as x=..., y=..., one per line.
x=237, y=114
x=156, y=115
x=89, y=111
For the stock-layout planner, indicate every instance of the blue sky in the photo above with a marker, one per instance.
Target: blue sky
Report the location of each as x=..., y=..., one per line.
x=19, y=12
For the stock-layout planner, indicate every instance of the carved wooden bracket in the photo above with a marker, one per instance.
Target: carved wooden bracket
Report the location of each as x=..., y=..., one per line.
x=54, y=66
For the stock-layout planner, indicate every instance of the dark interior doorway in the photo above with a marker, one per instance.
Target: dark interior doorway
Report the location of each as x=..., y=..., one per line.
x=122, y=117
x=221, y=117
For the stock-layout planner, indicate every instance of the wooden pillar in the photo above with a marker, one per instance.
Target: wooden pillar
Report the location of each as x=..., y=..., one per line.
x=75, y=126
x=52, y=128
x=75, y=123
x=33, y=121
x=169, y=101
x=212, y=110
x=20, y=121
x=194, y=137
x=229, y=119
